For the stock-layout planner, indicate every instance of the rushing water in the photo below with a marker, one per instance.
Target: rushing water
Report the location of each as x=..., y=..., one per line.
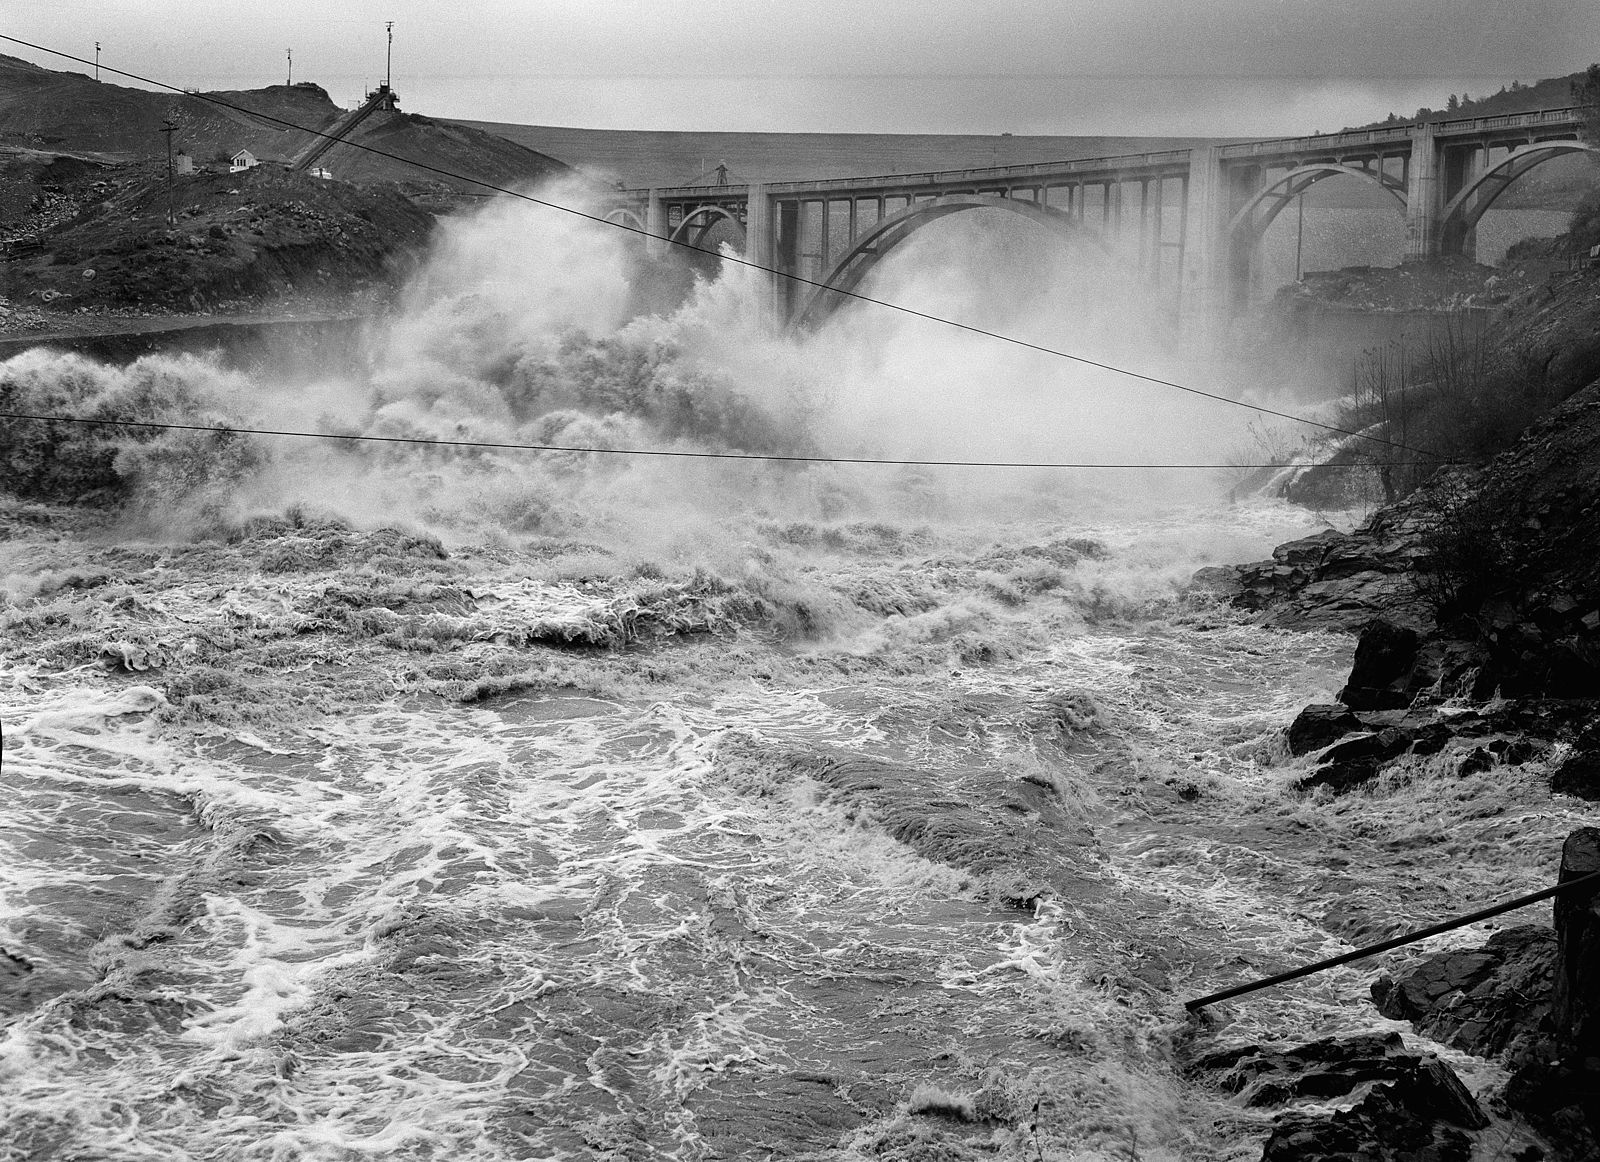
x=718, y=811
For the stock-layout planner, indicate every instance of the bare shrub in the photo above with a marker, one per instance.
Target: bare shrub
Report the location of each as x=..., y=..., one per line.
x=1455, y=398
x=1473, y=545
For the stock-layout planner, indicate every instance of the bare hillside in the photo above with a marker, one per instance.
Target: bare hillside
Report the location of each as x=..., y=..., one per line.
x=59, y=111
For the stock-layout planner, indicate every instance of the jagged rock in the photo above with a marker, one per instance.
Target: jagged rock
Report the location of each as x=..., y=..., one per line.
x=1407, y=1102
x=1433, y=737
x=1418, y=1116
x=1380, y=676
x=1321, y=1069
x=1448, y=667
x=1334, y=580
x=1349, y=764
x=1578, y=774
x=1499, y=751
x=1319, y=725
x=1487, y=1001
x=1560, y=1102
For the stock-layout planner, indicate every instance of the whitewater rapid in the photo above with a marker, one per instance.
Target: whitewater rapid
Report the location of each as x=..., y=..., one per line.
x=714, y=893
x=373, y=800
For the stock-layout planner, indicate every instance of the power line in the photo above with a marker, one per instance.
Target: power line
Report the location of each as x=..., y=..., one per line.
x=224, y=430
x=799, y=279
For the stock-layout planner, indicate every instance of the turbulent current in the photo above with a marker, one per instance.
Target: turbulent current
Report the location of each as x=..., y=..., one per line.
x=501, y=805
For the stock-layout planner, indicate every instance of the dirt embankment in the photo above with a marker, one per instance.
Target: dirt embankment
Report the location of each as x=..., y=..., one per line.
x=92, y=228
x=43, y=109
x=120, y=238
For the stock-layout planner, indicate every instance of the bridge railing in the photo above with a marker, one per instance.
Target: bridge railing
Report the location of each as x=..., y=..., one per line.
x=1384, y=134
x=1381, y=136
x=1568, y=116
x=1033, y=169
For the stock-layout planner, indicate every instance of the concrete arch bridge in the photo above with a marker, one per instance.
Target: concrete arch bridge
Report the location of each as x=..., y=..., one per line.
x=1189, y=221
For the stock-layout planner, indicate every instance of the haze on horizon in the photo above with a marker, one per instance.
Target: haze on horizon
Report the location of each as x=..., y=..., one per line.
x=1066, y=67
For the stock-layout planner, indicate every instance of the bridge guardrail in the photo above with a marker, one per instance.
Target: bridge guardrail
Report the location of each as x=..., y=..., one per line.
x=1381, y=134
x=1152, y=160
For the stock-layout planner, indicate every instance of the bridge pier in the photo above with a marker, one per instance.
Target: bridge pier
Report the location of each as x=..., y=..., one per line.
x=655, y=222
x=1202, y=291
x=1462, y=166
x=1423, y=202
x=761, y=248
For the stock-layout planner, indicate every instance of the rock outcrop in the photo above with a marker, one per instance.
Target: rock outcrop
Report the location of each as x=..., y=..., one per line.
x=1334, y=580
x=1397, y=1104
x=1530, y=999
x=1490, y=1001
x=1477, y=601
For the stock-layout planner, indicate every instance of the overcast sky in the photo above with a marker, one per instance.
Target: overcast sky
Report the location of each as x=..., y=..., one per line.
x=1159, y=67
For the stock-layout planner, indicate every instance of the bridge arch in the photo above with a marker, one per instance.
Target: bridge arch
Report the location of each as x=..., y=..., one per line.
x=1461, y=213
x=1277, y=196
x=709, y=216
x=625, y=217
x=1246, y=228
x=877, y=243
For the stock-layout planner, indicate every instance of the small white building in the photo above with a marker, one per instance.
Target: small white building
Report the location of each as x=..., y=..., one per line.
x=242, y=160
x=183, y=164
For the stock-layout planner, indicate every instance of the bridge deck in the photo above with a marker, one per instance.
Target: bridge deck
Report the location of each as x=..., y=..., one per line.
x=1384, y=139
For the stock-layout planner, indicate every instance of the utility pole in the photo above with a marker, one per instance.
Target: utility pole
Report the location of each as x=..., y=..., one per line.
x=169, y=128
x=290, y=53
x=388, y=55
x=97, y=60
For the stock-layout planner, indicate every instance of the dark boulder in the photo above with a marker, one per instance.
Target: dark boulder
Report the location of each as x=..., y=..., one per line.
x=1538, y=645
x=1420, y=1115
x=1433, y=737
x=1328, y=1068
x=1317, y=726
x=1406, y=1103
x=1347, y=765
x=1333, y=580
x=1578, y=774
x=1486, y=1001
x=1380, y=676
x=1560, y=1102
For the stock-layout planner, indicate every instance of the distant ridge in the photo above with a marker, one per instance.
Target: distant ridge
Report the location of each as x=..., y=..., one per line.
x=1516, y=97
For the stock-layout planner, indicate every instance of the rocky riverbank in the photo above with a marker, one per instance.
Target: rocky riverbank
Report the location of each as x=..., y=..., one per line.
x=1477, y=602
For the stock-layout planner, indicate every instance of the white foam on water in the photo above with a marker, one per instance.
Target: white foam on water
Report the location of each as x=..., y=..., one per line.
x=413, y=929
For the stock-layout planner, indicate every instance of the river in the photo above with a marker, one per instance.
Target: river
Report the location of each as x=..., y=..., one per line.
x=364, y=801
